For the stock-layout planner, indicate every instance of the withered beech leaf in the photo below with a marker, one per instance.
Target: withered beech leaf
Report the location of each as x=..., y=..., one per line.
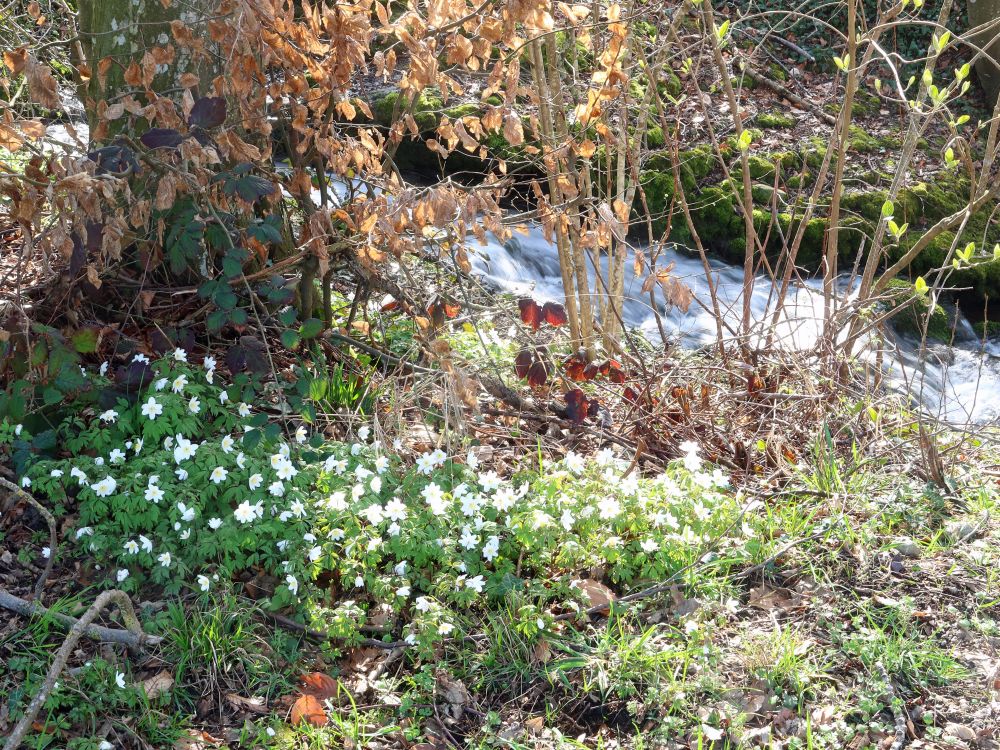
x=554, y=314
x=208, y=112
x=41, y=84
x=15, y=59
x=321, y=685
x=537, y=374
x=308, y=709
x=523, y=362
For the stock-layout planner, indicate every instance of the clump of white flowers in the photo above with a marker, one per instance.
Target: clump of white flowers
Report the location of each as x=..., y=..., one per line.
x=188, y=487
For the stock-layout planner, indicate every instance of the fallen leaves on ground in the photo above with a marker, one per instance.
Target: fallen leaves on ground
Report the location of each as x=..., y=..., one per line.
x=308, y=709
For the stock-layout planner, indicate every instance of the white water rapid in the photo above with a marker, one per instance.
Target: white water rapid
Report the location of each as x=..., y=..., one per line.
x=960, y=383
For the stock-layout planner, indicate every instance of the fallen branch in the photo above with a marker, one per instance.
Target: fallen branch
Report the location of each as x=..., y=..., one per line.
x=53, y=535
x=79, y=629
x=133, y=637
x=779, y=88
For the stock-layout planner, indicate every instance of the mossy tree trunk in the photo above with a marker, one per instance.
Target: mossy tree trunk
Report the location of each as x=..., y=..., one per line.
x=115, y=34
x=986, y=13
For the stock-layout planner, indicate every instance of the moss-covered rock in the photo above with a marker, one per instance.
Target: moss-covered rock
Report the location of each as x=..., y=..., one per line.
x=915, y=311
x=775, y=120
x=654, y=137
x=987, y=328
x=814, y=151
x=860, y=141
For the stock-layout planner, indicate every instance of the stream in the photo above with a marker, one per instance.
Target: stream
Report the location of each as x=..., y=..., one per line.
x=959, y=383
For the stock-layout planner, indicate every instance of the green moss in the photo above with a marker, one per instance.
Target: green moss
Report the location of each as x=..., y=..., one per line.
x=775, y=120
x=654, y=137
x=917, y=309
x=699, y=162
x=658, y=189
x=864, y=105
x=670, y=85
x=987, y=328
x=463, y=110
x=719, y=225
x=800, y=179
x=860, y=141
x=942, y=198
x=760, y=167
x=426, y=112
x=763, y=166
x=814, y=151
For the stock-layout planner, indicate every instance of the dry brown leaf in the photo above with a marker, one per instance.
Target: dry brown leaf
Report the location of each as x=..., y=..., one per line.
x=15, y=59
x=158, y=684
x=308, y=709
x=9, y=138
x=597, y=594
x=41, y=84
x=535, y=725
x=196, y=739
x=542, y=652
x=33, y=128
x=255, y=704
x=321, y=685
x=768, y=598
x=513, y=132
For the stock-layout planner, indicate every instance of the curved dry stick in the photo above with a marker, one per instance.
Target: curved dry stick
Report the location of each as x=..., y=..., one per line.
x=79, y=629
x=53, y=535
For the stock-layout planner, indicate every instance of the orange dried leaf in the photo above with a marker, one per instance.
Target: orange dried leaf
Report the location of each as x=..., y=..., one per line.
x=321, y=685
x=308, y=709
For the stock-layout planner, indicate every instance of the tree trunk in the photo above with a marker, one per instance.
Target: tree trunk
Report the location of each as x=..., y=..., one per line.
x=987, y=13
x=115, y=34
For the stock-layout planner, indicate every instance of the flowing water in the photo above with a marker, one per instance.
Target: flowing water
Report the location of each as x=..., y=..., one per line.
x=959, y=383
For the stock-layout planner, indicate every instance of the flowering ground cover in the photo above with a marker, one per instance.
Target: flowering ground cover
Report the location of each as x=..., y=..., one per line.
x=439, y=596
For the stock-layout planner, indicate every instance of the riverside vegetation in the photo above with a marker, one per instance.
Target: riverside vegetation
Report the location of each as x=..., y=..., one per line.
x=279, y=471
